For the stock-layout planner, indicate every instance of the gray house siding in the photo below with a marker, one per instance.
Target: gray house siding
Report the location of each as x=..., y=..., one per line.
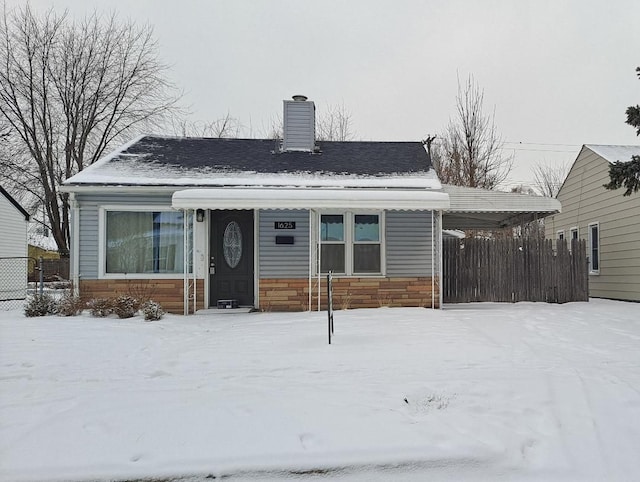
x=88, y=233
x=88, y=242
x=585, y=201
x=284, y=260
x=408, y=238
x=408, y=243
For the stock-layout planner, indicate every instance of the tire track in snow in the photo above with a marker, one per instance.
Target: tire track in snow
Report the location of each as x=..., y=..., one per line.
x=596, y=429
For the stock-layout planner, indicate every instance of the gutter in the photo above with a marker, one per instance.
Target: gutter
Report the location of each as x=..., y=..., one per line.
x=75, y=244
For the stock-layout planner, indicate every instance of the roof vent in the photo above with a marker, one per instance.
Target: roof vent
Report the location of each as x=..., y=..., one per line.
x=299, y=124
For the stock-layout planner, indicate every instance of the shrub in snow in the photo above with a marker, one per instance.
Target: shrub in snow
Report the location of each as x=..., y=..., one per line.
x=100, y=307
x=152, y=310
x=125, y=306
x=40, y=305
x=141, y=291
x=70, y=305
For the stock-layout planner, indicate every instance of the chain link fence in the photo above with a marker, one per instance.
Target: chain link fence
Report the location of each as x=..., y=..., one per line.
x=24, y=276
x=14, y=283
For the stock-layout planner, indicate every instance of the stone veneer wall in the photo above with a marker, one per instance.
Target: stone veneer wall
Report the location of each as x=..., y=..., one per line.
x=280, y=294
x=167, y=292
x=293, y=294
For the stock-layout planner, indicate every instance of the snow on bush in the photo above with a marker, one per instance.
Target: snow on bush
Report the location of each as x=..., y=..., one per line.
x=100, y=307
x=152, y=310
x=70, y=305
x=40, y=305
x=125, y=306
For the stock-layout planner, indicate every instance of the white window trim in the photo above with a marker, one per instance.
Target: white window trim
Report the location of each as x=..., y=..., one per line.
x=560, y=233
x=348, y=218
x=571, y=231
x=102, y=238
x=590, y=236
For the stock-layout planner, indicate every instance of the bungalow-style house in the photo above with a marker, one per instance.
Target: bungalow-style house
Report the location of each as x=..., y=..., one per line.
x=13, y=248
x=206, y=223
x=607, y=220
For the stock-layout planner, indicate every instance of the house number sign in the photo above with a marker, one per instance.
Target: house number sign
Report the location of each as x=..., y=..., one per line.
x=285, y=225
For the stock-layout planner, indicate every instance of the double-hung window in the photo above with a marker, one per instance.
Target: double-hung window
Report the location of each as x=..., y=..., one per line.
x=351, y=243
x=366, y=243
x=144, y=242
x=573, y=234
x=332, y=238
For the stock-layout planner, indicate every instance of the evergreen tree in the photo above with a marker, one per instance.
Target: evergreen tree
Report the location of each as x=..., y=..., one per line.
x=627, y=174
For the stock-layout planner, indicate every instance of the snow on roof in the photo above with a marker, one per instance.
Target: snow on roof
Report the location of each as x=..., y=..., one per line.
x=139, y=173
x=167, y=161
x=614, y=153
x=454, y=233
x=41, y=241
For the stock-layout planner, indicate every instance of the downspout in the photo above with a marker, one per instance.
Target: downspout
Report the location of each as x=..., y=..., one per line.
x=433, y=272
x=310, y=255
x=440, y=296
x=319, y=258
x=193, y=261
x=75, y=244
x=185, y=263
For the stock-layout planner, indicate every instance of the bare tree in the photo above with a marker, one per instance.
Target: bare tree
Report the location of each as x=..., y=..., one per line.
x=68, y=91
x=470, y=149
x=335, y=124
x=548, y=178
x=227, y=127
x=275, y=129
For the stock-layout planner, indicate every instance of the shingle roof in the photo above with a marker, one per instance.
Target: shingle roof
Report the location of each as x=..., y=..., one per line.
x=175, y=161
x=263, y=156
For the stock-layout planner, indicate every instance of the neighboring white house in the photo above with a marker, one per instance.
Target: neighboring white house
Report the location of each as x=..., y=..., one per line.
x=607, y=220
x=13, y=244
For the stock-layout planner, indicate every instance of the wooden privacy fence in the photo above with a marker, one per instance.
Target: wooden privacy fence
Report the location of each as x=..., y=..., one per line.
x=514, y=270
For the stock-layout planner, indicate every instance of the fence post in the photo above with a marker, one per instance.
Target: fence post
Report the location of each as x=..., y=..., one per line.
x=41, y=276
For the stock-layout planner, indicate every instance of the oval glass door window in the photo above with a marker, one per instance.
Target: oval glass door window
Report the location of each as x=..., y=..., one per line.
x=232, y=244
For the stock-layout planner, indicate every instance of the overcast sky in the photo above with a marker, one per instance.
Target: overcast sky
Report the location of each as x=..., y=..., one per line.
x=557, y=73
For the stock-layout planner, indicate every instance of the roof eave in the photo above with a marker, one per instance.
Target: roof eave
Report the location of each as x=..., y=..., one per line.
x=252, y=198
x=15, y=203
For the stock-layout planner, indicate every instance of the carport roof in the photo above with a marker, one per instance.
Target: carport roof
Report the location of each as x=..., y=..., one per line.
x=474, y=208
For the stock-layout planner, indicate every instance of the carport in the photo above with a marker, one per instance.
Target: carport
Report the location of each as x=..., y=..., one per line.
x=473, y=208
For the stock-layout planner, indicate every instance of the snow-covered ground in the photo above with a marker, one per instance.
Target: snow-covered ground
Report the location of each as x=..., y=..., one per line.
x=473, y=392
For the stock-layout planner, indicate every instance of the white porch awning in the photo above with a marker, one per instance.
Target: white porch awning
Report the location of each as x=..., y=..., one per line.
x=252, y=198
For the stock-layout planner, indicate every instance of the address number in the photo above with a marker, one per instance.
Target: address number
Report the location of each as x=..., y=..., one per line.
x=285, y=225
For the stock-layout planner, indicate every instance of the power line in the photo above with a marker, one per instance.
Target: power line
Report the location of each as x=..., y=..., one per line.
x=541, y=144
x=534, y=150
x=529, y=149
